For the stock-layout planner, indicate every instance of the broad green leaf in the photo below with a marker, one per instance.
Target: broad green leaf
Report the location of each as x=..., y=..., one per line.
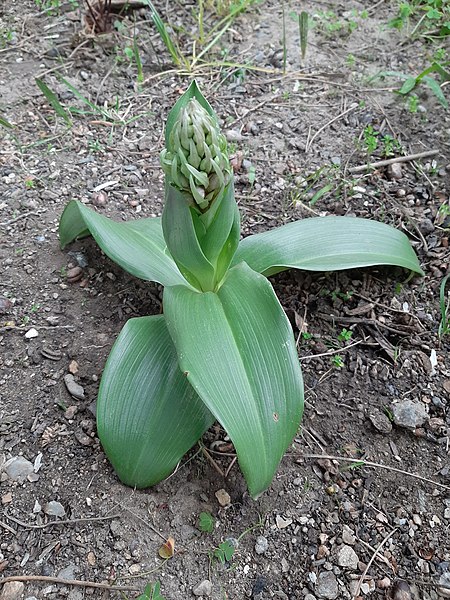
x=182, y=242
x=148, y=416
x=238, y=352
x=137, y=246
x=327, y=244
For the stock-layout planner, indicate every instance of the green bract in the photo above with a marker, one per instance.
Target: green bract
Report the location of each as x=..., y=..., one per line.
x=224, y=349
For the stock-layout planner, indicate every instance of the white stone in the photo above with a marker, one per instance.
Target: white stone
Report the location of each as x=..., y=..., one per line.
x=347, y=557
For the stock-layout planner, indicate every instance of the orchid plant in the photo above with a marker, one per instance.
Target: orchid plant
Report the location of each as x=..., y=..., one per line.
x=223, y=349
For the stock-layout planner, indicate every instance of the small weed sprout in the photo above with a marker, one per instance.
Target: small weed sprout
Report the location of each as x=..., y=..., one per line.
x=345, y=335
x=444, y=304
x=337, y=361
x=206, y=522
x=151, y=592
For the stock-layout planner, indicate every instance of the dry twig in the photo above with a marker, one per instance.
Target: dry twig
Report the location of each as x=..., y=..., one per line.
x=372, y=558
x=65, y=522
x=374, y=465
x=392, y=161
x=74, y=582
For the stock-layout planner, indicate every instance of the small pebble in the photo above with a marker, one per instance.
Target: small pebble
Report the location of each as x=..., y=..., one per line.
x=204, y=588
x=68, y=572
x=347, y=536
x=18, y=468
x=31, y=333
x=74, y=389
x=12, y=590
x=261, y=545
x=426, y=226
x=401, y=591
x=223, y=497
x=54, y=508
x=395, y=171
x=409, y=414
x=327, y=585
x=5, y=304
x=380, y=421
x=282, y=523
x=347, y=557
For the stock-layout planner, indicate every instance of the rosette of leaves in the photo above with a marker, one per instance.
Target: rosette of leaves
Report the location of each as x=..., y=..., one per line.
x=223, y=349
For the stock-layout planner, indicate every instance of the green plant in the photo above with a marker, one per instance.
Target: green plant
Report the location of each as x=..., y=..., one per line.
x=432, y=16
x=224, y=552
x=390, y=145
x=223, y=349
x=151, y=592
x=370, y=139
x=413, y=103
x=206, y=522
x=96, y=147
x=111, y=115
x=411, y=82
x=345, y=335
x=444, y=304
x=6, y=36
x=206, y=40
x=337, y=361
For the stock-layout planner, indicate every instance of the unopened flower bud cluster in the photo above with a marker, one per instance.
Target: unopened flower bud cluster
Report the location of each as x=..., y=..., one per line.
x=196, y=159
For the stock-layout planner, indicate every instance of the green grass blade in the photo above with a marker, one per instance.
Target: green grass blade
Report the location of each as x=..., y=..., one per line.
x=5, y=123
x=52, y=99
x=303, y=24
x=161, y=28
x=137, y=60
x=436, y=89
x=444, y=325
x=83, y=99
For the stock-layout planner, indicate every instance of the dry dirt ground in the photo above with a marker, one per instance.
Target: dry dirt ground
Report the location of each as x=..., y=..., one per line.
x=368, y=340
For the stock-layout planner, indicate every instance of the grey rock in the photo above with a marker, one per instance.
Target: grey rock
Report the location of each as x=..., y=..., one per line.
x=54, y=508
x=409, y=414
x=68, y=572
x=309, y=597
x=18, y=468
x=348, y=536
x=426, y=226
x=261, y=544
x=204, y=588
x=380, y=421
x=76, y=594
x=74, y=389
x=395, y=171
x=12, y=590
x=327, y=585
x=233, y=136
x=347, y=557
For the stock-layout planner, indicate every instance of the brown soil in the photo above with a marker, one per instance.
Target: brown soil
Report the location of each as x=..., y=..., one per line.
x=281, y=129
